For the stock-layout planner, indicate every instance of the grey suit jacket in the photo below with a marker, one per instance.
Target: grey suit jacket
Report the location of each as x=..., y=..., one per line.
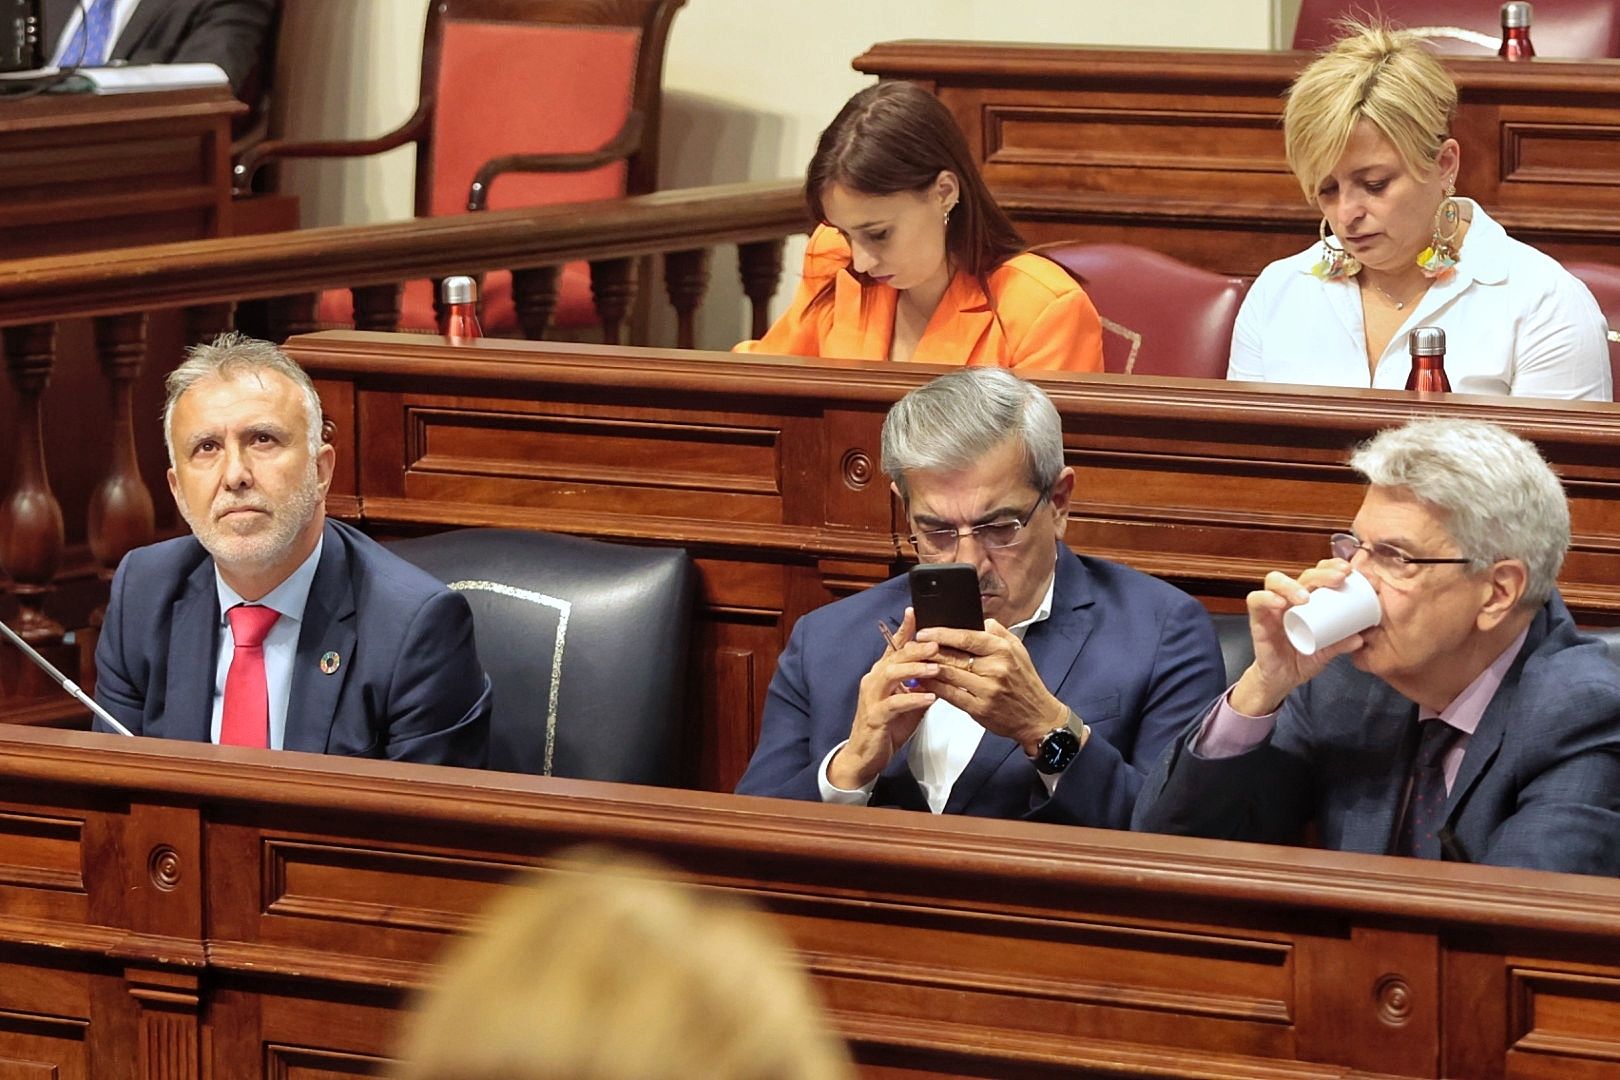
x=230, y=33
x=1539, y=784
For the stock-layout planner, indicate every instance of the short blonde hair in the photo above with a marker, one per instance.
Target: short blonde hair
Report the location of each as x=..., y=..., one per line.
x=1386, y=76
x=609, y=969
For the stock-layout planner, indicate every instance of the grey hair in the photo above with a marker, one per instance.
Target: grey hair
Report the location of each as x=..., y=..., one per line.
x=226, y=357
x=957, y=419
x=1499, y=498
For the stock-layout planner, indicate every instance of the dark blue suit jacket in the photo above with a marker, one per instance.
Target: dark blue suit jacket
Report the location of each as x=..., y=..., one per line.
x=1127, y=652
x=1539, y=784
x=409, y=685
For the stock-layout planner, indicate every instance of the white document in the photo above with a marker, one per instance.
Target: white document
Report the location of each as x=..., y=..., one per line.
x=125, y=78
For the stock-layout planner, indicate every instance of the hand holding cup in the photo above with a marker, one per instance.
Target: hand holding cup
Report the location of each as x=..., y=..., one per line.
x=1327, y=628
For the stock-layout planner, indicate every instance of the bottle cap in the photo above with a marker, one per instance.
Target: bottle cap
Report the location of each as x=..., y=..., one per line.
x=1428, y=341
x=1516, y=14
x=460, y=289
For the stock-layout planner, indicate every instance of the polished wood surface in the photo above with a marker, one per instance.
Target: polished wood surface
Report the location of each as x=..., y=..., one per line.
x=173, y=910
x=1181, y=150
x=767, y=471
x=309, y=260
x=83, y=172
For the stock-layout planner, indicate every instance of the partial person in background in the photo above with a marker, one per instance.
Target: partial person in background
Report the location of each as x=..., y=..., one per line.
x=607, y=969
x=1474, y=722
x=914, y=260
x=1366, y=129
x=230, y=34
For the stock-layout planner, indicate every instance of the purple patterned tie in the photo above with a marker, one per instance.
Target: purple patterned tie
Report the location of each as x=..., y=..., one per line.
x=91, y=39
x=1425, y=810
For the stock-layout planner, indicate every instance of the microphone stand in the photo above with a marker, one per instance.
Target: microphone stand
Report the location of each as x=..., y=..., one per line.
x=67, y=684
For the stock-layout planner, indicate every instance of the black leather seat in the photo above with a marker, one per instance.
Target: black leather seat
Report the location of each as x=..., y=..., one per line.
x=585, y=643
x=1237, y=647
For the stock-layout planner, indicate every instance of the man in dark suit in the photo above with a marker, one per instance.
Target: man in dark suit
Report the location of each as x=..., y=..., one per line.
x=230, y=34
x=271, y=626
x=1055, y=709
x=1473, y=722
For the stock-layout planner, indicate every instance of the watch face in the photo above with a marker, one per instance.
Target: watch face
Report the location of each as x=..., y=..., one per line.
x=1057, y=750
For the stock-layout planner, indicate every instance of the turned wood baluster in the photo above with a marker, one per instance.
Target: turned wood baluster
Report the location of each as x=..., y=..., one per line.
x=686, y=279
x=121, y=505
x=613, y=286
x=205, y=322
x=534, y=294
x=296, y=314
x=760, y=265
x=30, y=518
x=376, y=307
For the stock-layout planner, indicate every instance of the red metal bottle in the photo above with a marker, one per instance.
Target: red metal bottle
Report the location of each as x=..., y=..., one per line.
x=460, y=297
x=1428, y=348
x=1516, y=45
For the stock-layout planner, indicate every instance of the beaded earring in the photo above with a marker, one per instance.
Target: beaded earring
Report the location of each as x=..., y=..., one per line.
x=1439, y=259
x=1336, y=264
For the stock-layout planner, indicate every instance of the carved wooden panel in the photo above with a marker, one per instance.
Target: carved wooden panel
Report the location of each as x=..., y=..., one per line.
x=944, y=947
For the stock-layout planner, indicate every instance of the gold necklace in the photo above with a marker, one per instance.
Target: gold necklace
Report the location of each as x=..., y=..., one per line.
x=1400, y=305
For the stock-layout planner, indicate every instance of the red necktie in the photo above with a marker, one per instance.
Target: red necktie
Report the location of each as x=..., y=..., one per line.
x=246, y=717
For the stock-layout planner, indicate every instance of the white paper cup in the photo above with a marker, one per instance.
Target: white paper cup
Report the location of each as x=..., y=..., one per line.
x=1331, y=615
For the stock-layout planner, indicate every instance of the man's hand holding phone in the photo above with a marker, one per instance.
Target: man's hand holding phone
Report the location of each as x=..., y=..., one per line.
x=887, y=710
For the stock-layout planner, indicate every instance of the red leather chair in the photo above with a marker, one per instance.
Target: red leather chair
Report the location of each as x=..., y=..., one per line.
x=1604, y=281
x=1160, y=315
x=1571, y=29
x=522, y=103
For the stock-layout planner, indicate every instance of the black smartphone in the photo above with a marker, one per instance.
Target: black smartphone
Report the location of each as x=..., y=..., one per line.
x=946, y=594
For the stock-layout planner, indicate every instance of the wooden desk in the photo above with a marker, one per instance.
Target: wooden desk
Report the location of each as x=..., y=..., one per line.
x=766, y=469
x=82, y=172
x=172, y=910
x=1181, y=149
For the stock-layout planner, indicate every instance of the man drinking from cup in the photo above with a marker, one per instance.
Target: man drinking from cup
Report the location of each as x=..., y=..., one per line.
x=1465, y=719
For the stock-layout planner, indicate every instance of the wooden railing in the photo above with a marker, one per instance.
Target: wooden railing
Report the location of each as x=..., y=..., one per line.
x=103, y=461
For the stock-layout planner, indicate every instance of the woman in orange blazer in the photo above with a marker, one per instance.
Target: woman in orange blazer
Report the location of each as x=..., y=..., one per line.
x=915, y=261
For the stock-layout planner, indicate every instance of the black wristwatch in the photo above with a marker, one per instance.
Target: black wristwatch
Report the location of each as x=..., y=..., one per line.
x=1060, y=747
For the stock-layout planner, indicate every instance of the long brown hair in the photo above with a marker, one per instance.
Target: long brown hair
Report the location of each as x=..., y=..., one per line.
x=896, y=137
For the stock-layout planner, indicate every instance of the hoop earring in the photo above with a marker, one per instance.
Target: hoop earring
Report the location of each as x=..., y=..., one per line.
x=1439, y=259
x=1336, y=264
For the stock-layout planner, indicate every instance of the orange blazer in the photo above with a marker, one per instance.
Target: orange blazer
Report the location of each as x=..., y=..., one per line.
x=1036, y=318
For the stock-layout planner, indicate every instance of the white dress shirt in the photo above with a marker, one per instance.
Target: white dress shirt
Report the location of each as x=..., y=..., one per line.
x=941, y=747
x=1516, y=322
x=280, y=645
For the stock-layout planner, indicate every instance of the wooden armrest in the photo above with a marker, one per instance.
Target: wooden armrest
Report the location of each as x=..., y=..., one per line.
x=256, y=157
x=621, y=146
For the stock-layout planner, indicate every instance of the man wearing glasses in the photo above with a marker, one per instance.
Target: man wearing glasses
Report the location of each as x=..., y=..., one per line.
x=1055, y=710
x=1472, y=723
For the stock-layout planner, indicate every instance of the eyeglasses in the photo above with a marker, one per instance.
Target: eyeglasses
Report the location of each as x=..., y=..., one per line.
x=942, y=543
x=1385, y=560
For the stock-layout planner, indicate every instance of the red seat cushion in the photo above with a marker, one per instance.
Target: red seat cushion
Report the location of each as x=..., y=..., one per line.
x=515, y=88
x=1160, y=316
x=1571, y=29
x=510, y=88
